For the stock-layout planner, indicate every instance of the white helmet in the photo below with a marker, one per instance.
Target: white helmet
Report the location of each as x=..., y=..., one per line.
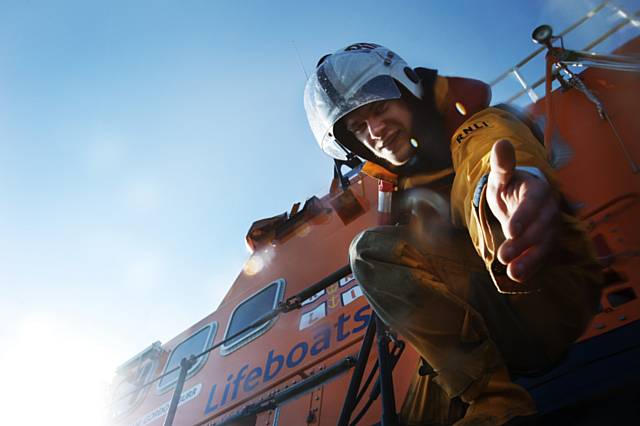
x=348, y=79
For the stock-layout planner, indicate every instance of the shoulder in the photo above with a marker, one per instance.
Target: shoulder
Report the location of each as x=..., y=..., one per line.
x=489, y=120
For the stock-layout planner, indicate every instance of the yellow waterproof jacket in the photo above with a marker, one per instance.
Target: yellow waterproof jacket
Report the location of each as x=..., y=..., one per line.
x=470, y=151
x=471, y=147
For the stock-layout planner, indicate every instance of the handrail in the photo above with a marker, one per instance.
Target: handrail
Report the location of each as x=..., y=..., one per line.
x=536, y=52
x=529, y=89
x=295, y=301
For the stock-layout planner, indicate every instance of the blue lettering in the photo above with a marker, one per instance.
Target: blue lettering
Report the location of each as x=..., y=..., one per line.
x=275, y=362
x=225, y=394
x=236, y=382
x=341, y=333
x=321, y=341
x=362, y=318
x=303, y=347
x=268, y=375
x=209, y=408
x=253, y=376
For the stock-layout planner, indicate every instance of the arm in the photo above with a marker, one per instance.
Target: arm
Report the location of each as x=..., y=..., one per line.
x=524, y=205
x=510, y=211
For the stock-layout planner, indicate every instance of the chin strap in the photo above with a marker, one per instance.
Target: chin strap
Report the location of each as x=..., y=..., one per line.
x=353, y=162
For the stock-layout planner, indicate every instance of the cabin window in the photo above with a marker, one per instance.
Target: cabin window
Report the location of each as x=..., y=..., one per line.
x=192, y=345
x=249, y=311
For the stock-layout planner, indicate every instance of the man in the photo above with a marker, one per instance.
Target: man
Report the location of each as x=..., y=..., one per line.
x=506, y=283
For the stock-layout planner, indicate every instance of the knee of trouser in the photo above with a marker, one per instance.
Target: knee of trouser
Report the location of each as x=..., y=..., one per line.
x=363, y=248
x=380, y=243
x=376, y=256
x=358, y=244
x=375, y=242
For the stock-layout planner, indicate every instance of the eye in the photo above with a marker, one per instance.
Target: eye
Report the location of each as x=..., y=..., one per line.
x=380, y=107
x=357, y=128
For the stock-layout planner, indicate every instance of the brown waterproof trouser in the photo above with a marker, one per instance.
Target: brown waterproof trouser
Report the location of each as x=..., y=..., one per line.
x=437, y=294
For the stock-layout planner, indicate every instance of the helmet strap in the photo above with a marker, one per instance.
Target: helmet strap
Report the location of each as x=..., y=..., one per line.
x=353, y=163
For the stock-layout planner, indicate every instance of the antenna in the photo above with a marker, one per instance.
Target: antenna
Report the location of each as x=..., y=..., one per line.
x=300, y=59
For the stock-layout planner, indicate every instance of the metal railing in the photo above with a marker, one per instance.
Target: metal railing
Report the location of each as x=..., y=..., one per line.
x=529, y=89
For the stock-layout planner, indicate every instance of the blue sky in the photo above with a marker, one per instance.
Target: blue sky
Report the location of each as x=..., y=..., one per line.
x=139, y=140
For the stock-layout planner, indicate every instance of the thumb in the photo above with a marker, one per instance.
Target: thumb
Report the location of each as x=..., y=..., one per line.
x=503, y=163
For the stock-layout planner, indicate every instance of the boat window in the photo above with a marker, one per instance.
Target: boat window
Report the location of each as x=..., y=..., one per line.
x=193, y=345
x=249, y=311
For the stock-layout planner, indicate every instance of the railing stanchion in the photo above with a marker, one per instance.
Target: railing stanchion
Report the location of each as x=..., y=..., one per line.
x=356, y=378
x=389, y=416
x=185, y=365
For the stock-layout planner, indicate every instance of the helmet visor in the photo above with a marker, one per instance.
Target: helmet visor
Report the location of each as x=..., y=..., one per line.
x=329, y=96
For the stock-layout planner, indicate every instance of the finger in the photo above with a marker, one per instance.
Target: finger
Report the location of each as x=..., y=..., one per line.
x=534, y=197
x=497, y=205
x=503, y=163
x=524, y=266
x=542, y=228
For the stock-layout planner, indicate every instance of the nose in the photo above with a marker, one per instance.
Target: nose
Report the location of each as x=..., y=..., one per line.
x=375, y=126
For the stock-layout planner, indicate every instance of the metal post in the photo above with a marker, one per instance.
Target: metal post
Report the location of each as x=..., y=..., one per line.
x=389, y=417
x=354, y=385
x=185, y=365
x=624, y=15
x=532, y=95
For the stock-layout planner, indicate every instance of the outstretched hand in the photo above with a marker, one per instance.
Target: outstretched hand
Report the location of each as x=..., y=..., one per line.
x=526, y=210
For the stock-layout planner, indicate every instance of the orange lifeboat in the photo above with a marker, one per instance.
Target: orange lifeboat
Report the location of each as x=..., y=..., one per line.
x=283, y=346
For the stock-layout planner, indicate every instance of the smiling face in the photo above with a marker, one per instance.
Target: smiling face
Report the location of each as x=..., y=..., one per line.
x=384, y=127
